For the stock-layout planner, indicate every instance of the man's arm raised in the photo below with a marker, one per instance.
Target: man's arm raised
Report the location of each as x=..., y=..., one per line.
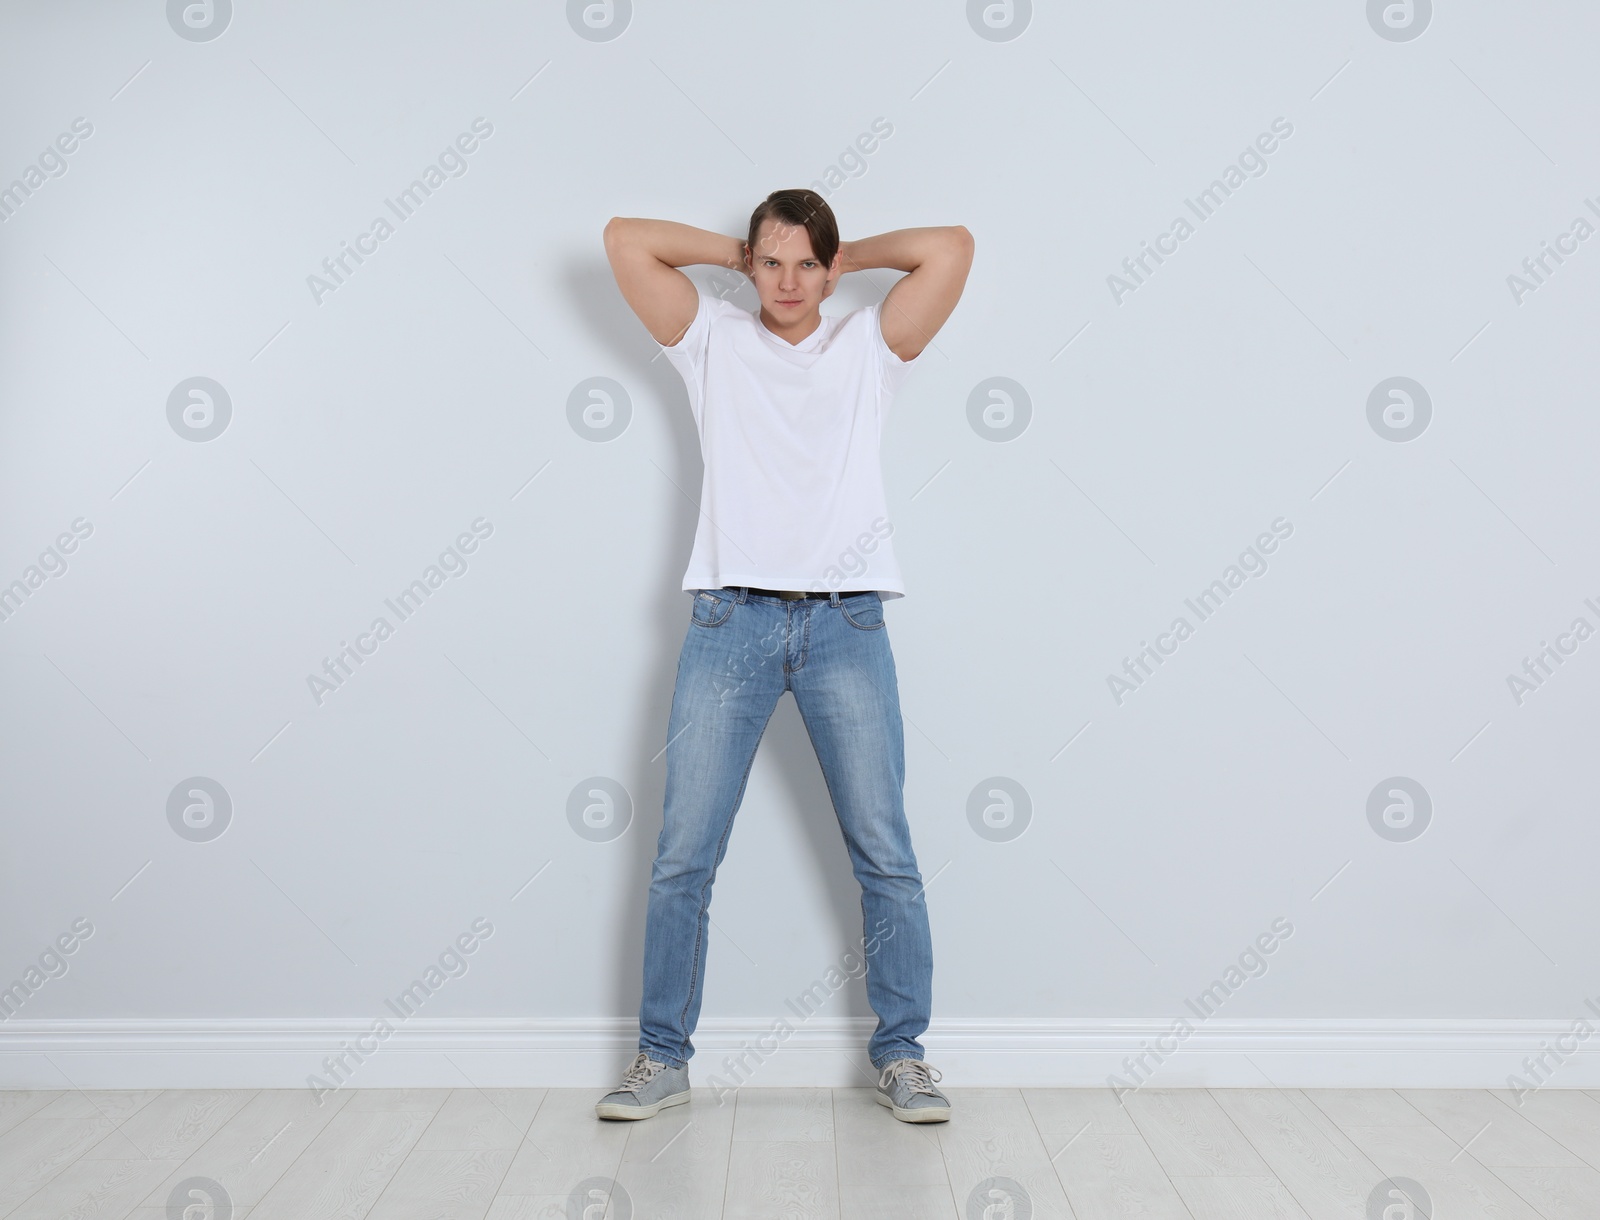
x=937, y=259
x=645, y=256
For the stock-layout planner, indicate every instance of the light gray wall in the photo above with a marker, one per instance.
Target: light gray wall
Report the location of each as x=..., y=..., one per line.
x=1168, y=427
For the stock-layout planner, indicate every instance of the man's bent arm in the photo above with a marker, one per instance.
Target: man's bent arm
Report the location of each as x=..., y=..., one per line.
x=937, y=258
x=645, y=255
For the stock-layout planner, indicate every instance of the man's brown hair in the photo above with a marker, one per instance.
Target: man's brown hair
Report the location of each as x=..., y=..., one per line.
x=797, y=206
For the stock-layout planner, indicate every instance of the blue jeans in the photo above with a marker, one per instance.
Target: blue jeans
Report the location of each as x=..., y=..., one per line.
x=742, y=651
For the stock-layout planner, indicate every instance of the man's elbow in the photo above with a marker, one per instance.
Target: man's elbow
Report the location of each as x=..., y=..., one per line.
x=615, y=231
x=960, y=244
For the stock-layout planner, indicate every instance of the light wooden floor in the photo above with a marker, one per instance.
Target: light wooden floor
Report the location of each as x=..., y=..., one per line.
x=515, y=1154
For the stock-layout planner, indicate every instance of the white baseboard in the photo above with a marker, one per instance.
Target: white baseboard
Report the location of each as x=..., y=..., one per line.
x=590, y=1053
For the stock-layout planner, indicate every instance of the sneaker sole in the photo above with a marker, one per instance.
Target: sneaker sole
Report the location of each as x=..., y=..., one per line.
x=921, y=1114
x=622, y=1110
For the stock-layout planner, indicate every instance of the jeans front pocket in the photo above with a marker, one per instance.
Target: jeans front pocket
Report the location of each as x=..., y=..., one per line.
x=712, y=607
x=865, y=612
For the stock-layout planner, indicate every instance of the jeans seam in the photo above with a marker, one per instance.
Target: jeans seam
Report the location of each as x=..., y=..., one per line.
x=805, y=642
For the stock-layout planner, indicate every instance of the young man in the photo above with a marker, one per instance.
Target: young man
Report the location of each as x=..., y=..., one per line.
x=790, y=407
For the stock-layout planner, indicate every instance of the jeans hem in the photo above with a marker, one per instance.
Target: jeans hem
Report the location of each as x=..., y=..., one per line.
x=890, y=1059
x=669, y=1060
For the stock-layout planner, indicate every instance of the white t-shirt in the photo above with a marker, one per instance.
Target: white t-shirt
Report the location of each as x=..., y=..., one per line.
x=793, y=491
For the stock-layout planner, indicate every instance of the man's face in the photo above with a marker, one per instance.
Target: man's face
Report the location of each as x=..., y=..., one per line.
x=790, y=282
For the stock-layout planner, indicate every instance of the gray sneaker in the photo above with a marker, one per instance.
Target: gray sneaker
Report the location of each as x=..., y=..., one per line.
x=647, y=1087
x=906, y=1087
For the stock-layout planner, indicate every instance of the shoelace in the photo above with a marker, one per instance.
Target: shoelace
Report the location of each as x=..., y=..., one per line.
x=643, y=1070
x=913, y=1072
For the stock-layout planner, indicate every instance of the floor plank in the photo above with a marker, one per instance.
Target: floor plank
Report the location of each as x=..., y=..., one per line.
x=1115, y=1176
x=171, y=1126
x=782, y=1180
x=429, y=1100
x=115, y=1104
x=676, y=1165
x=1061, y=1114
x=869, y=1200
x=1458, y=1184
x=784, y=1115
x=566, y=1143
x=97, y=1189
x=1571, y=1117
x=528, y=1207
x=1191, y=1135
x=873, y=1151
x=473, y=1120
x=433, y=1185
x=1328, y=1176
x=38, y=1149
x=257, y=1145
x=18, y=1104
x=1213, y=1197
x=346, y=1167
x=1557, y=1193
x=991, y=1135
x=1367, y=1107
x=1493, y=1132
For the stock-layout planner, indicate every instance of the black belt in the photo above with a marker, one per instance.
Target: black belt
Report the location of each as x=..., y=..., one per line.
x=794, y=595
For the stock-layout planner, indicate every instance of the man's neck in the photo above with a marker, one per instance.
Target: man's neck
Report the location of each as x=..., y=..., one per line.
x=795, y=332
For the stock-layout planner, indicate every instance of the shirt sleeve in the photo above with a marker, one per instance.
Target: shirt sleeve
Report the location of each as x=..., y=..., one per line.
x=688, y=354
x=892, y=371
